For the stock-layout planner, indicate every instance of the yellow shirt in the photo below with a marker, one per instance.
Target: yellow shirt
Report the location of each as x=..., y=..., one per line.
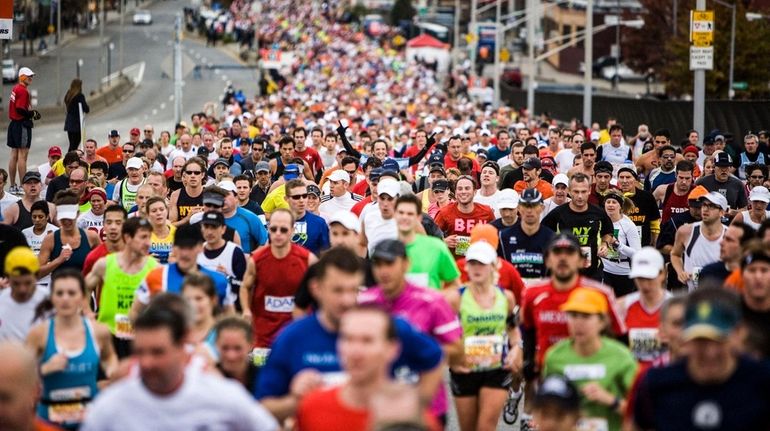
x=275, y=199
x=58, y=167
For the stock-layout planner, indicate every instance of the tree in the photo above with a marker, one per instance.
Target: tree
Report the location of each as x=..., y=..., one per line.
x=402, y=11
x=656, y=47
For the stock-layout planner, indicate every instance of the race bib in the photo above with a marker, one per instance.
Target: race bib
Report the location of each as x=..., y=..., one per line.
x=644, y=343
x=593, y=424
x=123, y=328
x=463, y=242
x=483, y=352
x=259, y=356
x=67, y=413
x=696, y=274
x=578, y=372
x=586, y=253
x=279, y=304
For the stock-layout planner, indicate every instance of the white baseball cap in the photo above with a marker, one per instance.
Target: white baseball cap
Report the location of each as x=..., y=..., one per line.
x=347, y=219
x=227, y=185
x=66, y=212
x=508, y=199
x=389, y=186
x=339, y=175
x=560, y=179
x=716, y=198
x=26, y=71
x=646, y=263
x=760, y=193
x=481, y=251
x=134, y=163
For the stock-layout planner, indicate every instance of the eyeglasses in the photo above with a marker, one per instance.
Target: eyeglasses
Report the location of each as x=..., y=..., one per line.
x=76, y=181
x=351, y=173
x=128, y=151
x=193, y=172
x=258, y=149
x=148, y=131
x=298, y=197
x=274, y=229
x=710, y=206
x=209, y=205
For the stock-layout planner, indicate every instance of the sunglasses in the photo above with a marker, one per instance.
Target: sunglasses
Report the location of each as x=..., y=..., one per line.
x=670, y=157
x=298, y=197
x=148, y=131
x=193, y=172
x=77, y=181
x=274, y=229
x=757, y=177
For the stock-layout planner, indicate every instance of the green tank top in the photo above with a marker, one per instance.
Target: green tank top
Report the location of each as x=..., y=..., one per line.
x=118, y=295
x=484, y=331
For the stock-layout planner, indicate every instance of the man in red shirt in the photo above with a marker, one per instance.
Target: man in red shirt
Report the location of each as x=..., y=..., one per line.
x=309, y=155
x=112, y=152
x=458, y=218
x=275, y=273
x=455, y=153
x=367, y=347
x=20, y=129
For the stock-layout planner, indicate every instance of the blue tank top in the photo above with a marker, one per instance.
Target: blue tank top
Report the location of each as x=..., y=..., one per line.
x=66, y=393
x=78, y=258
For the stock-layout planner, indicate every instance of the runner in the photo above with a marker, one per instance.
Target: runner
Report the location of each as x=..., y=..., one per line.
x=249, y=227
x=220, y=255
x=114, y=216
x=69, y=348
x=673, y=197
x=133, y=403
x=730, y=254
x=378, y=222
x=21, y=298
x=69, y=246
x=35, y=234
x=488, y=194
x=493, y=356
x=645, y=213
x=560, y=196
x=188, y=200
x=93, y=218
x=524, y=243
x=310, y=230
x=18, y=215
x=201, y=295
x=603, y=173
x=556, y=406
x=725, y=184
x=339, y=198
x=605, y=390
x=617, y=260
x=458, y=218
x=234, y=343
x=125, y=191
x=531, y=170
x=759, y=198
x=272, y=280
x=431, y=261
x=117, y=276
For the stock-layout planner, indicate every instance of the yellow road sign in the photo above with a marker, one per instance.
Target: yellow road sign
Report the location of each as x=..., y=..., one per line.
x=702, y=27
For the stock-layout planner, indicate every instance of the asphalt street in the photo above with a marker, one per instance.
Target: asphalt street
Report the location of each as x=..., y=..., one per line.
x=152, y=102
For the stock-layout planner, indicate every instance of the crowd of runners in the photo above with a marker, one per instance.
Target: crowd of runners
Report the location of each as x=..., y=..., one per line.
x=367, y=248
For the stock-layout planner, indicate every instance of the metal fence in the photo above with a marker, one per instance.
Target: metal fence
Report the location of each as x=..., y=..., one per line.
x=736, y=117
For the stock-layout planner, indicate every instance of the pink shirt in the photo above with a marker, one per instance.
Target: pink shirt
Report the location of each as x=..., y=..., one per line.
x=428, y=311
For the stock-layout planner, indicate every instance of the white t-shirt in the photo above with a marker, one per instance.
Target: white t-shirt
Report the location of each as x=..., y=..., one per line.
x=89, y=221
x=330, y=205
x=490, y=201
x=35, y=243
x=378, y=229
x=204, y=401
x=180, y=152
x=6, y=201
x=16, y=319
x=565, y=159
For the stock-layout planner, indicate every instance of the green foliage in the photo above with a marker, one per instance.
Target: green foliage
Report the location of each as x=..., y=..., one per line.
x=402, y=10
x=656, y=47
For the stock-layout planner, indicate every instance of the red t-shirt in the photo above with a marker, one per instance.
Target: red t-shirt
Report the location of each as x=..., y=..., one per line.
x=322, y=410
x=276, y=284
x=449, y=163
x=674, y=204
x=359, y=206
x=642, y=325
x=540, y=310
x=360, y=188
x=453, y=222
x=312, y=158
x=510, y=279
x=99, y=252
x=112, y=155
x=19, y=99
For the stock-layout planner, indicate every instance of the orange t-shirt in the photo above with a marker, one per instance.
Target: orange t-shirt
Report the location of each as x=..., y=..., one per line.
x=453, y=222
x=112, y=155
x=322, y=410
x=734, y=281
x=544, y=187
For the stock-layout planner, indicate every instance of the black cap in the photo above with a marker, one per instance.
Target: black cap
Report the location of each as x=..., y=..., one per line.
x=188, y=235
x=437, y=167
x=482, y=152
x=628, y=168
x=440, y=184
x=390, y=165
x=436, y=159
x=564, y=240
x=530, y=196
x=31, y=176
x=723, y=160
x=559, y=390
x=221, y=161
x=114, y=134
x=389, y=250
x=314, y=190
x=203, y=151
x=375, y=174
x=493, y=165
x=213, y=199
x=532, y=163
x=603, y=166
x=214, y=218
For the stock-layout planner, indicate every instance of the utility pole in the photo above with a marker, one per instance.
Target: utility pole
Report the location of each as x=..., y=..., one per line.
x=456, y=41
x=120, y=42
x=101, y=36
x=498, y=43
x=731, y=91
x=699, y=90
x=530, y=6
x=178, y=69
x=58, y=51
x=588, y=53
x=474, y=32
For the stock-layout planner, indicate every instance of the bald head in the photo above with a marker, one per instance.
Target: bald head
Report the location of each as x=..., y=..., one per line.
x=19, y=386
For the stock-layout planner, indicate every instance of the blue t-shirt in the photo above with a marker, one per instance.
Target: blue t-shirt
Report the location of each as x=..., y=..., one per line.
x=525, y=252
x=494, y=154
x=175, y=278
x=305, y=344
x=660, y=179
x=311, y=232
x=250, y=228
x=668, y=399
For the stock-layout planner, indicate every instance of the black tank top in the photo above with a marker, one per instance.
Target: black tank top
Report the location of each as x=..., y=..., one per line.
x=24, y=220
x=279, y=167
x=186, y=202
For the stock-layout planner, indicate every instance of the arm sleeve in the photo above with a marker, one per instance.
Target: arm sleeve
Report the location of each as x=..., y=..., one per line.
x=345, y=143
x=418, y=157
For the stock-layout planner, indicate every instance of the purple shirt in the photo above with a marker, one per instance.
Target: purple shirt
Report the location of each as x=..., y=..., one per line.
x=428, y=311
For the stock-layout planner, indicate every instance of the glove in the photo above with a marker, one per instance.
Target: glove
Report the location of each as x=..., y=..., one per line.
x=341, y=129
x=36, y=115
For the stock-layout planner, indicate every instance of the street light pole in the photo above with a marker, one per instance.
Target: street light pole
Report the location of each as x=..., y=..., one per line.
x=101, y=36
x=58, y=51
x=472, y=30
x=699, y=90
x=588, y=53
x=457, y=26
x=731, y=91
x=120, y=43
x=498, y=42
x=530, y=5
